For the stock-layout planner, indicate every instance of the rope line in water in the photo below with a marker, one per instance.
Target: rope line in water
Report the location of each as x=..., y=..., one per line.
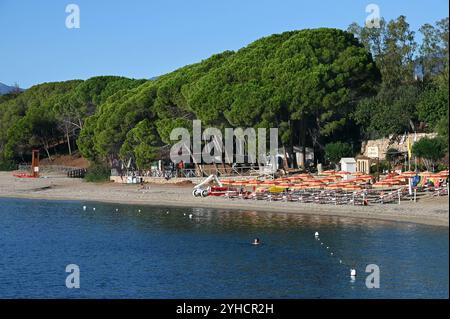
x=316, y=236
x=341, y=261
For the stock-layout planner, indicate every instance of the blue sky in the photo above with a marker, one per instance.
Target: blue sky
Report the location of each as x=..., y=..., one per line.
x=141, y=39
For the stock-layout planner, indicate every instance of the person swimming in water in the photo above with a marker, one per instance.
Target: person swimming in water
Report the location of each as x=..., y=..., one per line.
x=256, y=241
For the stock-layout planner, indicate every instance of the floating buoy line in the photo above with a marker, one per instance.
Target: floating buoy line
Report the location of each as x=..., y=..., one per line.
x=316, y=236
x=352, y=270
x=190, y=216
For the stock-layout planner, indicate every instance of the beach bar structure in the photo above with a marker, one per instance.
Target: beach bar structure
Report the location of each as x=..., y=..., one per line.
x=363, y=164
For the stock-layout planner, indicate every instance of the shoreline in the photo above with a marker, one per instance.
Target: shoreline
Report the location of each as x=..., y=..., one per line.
x=432, y=211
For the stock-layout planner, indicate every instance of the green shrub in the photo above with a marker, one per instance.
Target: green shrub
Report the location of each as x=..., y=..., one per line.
x=335, y=151
x=6, y=165
x=383, y=166
x=98, y=173
x=430, y=150
x=420, y=167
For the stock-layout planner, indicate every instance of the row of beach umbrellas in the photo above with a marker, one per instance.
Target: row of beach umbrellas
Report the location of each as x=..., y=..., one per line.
x=403, y=178
x=331, y=180
x=305, y=181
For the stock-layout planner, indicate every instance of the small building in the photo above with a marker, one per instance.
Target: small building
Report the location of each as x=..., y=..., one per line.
x=284, y=159
x=363, y=164
x=348, y=164
x=309, y=156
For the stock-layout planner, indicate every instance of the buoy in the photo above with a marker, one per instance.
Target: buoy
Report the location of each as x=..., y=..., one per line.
x=321, y=243
x=256, y=241
x=316, y=234
x=353, y=272
x=328, y=247
x=340, y=261
x=184, y=214
x=139, y=210
x=331, y=254
x=117, y=209
x=93, y=208
x=190, y=215
x=84, y=207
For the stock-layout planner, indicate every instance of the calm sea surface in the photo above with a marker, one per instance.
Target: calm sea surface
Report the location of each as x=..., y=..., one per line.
x=162, y=253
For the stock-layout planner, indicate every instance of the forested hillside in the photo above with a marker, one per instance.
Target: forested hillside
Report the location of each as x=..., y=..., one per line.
x=317, y=86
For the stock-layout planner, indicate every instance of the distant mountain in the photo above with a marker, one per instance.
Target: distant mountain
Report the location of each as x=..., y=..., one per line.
x=5, y=89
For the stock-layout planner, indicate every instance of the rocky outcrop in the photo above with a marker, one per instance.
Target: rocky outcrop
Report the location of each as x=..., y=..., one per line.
x=399, y=142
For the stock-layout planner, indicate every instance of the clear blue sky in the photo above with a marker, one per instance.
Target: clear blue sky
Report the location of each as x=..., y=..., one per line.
x=142, y=39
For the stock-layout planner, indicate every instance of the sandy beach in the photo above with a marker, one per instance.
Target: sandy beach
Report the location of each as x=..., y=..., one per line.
x=429, y=211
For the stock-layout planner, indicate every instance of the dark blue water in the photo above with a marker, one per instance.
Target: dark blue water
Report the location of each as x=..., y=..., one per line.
x=161, y=253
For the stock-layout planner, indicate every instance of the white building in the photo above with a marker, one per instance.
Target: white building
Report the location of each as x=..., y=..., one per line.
x=348, y=164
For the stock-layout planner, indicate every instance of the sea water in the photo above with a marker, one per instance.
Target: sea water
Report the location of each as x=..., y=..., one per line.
x=130, y=251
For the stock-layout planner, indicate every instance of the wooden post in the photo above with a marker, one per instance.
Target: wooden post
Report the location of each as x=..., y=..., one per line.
x=409, y=163
x=378, y=169
x=35, y=163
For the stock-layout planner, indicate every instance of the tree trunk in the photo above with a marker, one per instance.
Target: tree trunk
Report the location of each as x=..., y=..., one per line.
x=303, y=143
x=68, y=142
x=46, y=148
x=48, y=153
x=294, y=157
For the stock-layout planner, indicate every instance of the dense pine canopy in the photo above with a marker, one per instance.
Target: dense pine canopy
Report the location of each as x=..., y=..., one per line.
x=318, y=86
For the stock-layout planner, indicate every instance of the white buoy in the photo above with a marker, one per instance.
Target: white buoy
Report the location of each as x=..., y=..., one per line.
x=84, y=207
x=190, y=215
x=340, y=261
x=316, y=234
x=167, y=212
x=328, y=247
x=321, y=243
x=117, y=209
x=353, y=272
x=93, y=208
x=139, y=210
x=184, y=214
x=331, y=254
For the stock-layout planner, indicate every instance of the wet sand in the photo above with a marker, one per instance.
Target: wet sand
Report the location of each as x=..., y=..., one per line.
x=429, y=211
